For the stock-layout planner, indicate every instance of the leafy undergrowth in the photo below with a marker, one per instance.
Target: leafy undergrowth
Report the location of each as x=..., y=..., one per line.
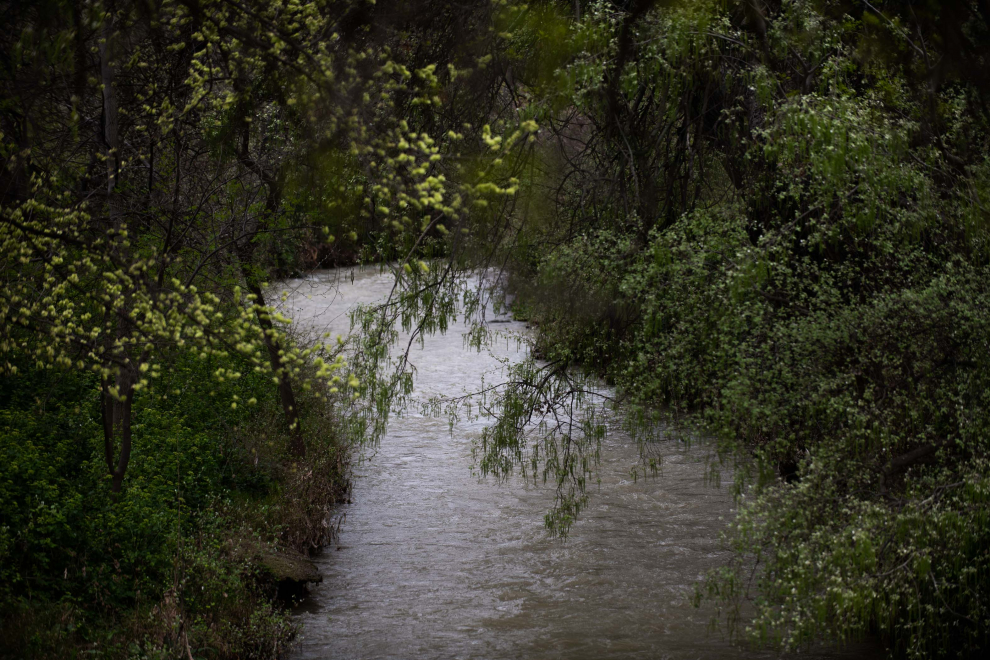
x=170, y=566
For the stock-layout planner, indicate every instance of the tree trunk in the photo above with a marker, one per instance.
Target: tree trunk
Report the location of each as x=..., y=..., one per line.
x=116, y=412
x=111, y=120
x=273, y=185
x=297, y=446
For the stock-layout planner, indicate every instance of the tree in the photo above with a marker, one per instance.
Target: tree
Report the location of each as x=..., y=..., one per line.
x=767, y=221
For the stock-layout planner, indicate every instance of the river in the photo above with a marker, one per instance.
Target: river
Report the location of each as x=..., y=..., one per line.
x=433, y=563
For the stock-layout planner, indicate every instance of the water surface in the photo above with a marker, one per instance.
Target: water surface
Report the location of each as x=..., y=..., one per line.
x=433, y=563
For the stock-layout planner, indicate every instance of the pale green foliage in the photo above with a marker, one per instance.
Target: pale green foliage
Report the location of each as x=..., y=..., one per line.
x=98, y=306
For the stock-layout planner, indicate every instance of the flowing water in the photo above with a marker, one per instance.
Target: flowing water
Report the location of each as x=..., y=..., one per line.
x=434, y=563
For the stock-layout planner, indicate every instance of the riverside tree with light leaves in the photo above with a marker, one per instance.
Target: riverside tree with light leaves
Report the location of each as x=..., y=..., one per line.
x=157, y=159
x=161, y=163
x=119, y=217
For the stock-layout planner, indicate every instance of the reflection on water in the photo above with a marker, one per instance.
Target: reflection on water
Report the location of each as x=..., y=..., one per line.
x=433, y=563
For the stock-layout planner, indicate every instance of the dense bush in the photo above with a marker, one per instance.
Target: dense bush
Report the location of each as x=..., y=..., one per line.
x=172, y=559
x=776, y=222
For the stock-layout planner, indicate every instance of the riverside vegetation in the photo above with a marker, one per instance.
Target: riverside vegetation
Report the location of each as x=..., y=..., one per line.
x=761, y=220
x=772, y=217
